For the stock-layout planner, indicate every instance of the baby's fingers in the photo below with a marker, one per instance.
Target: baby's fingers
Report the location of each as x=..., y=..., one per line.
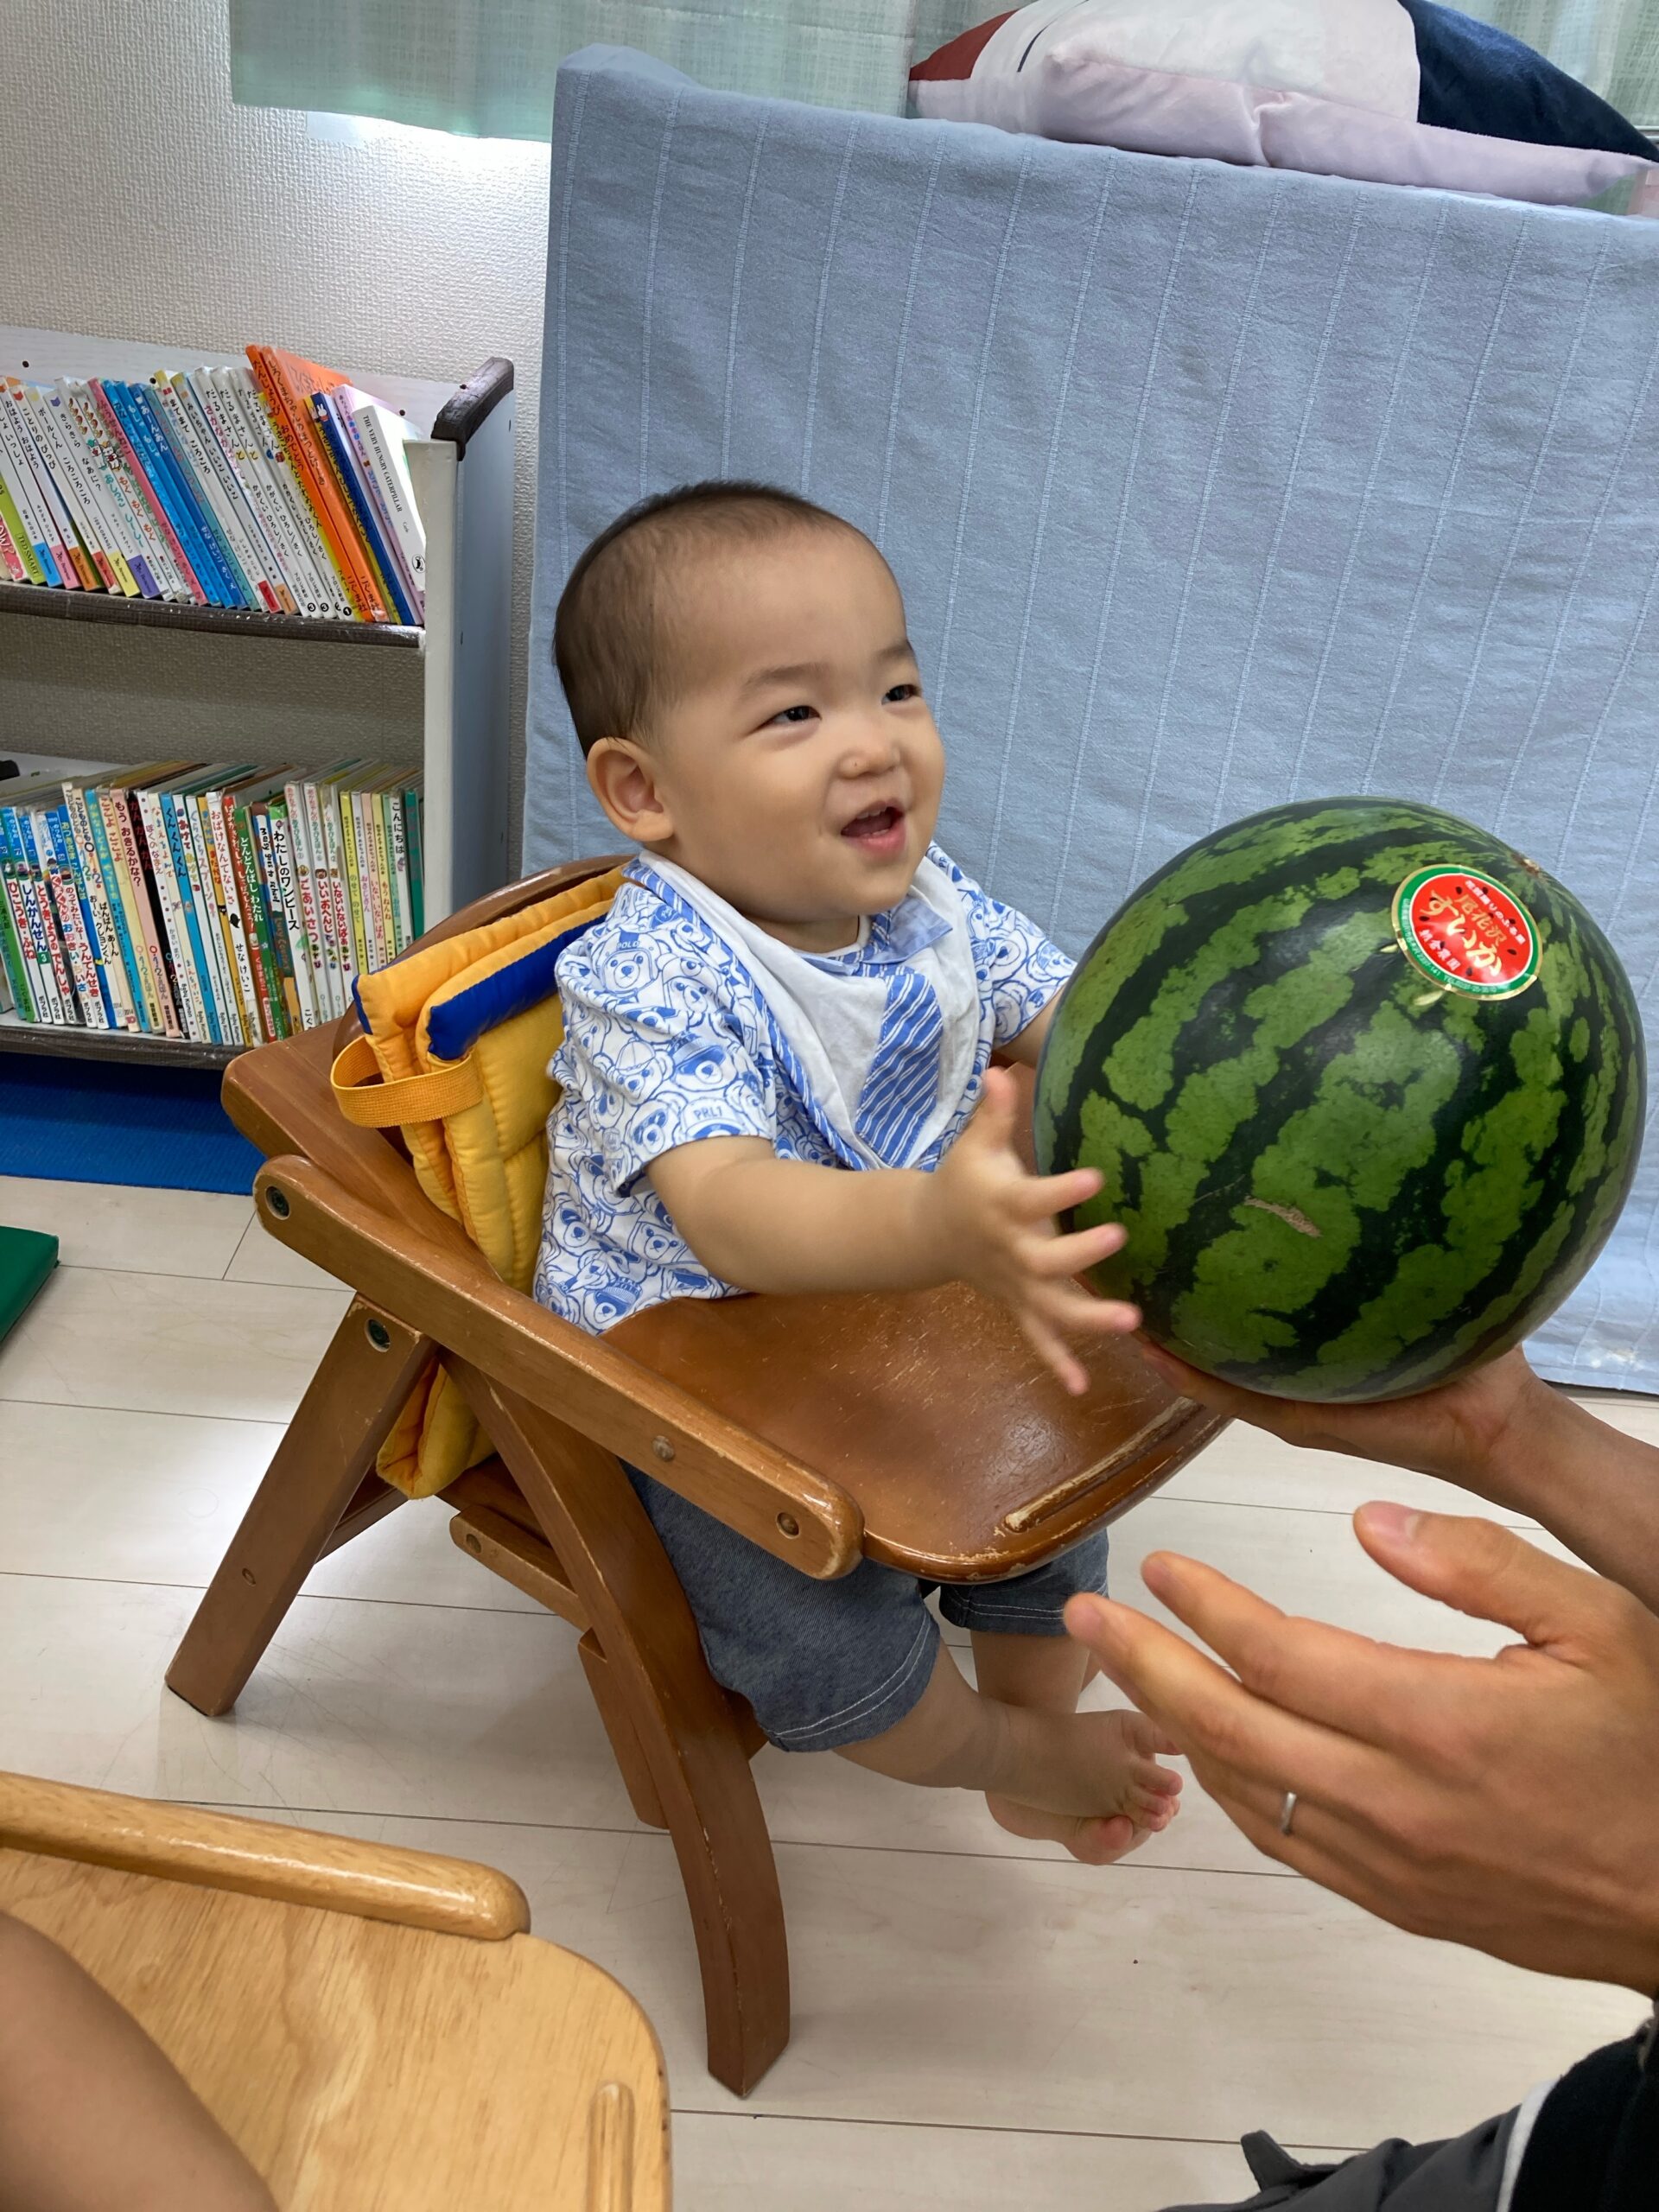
x=1039, y=1198
x=1070, y=1255
x=1053, y=1349
x=1067, y=1306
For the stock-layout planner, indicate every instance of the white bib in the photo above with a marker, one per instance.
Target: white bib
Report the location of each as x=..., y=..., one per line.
x=829, y=1010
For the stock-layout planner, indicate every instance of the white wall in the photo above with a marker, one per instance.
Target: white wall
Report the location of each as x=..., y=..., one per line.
x=140, y=204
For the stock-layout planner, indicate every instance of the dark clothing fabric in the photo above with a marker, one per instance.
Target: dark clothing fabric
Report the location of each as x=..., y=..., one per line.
x=1475, y=77
x=1595, y=2145
x=1594, y=2148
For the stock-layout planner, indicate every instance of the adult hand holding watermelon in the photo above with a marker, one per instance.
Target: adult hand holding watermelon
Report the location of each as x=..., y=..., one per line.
x=1365, y=1087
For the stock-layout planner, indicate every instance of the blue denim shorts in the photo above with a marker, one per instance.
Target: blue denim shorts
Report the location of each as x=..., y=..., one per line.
x=828, y=1664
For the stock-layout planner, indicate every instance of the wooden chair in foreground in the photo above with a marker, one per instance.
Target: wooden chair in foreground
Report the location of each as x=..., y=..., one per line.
x=915, y=1430
x=372, y=2027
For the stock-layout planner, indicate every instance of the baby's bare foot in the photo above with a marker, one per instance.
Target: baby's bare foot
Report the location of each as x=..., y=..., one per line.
x=1136, y=1796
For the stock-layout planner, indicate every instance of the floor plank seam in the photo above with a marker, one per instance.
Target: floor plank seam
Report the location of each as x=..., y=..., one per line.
x=983, y=2127
x=323, y=1597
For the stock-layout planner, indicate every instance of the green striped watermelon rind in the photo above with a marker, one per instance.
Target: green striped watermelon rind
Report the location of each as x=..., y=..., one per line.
x=1340, y=1247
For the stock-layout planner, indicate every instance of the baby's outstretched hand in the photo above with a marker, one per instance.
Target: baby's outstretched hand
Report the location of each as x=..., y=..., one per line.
x=994, y=1221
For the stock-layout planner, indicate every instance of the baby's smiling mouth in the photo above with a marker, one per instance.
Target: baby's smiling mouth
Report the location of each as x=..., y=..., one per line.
x=878, y=828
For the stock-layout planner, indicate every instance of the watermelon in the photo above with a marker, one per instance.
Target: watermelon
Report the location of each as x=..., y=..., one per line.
x=1366, y=1087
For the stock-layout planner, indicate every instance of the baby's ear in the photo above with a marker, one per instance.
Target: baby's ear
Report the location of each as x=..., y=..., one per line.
x=623, y=778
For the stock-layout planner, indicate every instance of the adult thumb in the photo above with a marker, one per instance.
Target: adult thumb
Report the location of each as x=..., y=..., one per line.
x=1485, y=1571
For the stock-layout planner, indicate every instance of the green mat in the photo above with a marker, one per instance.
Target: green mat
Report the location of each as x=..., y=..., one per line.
x=27, y=1258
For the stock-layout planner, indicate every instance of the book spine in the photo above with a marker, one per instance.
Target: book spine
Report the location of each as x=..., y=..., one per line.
x=245, y=869
x=230, y=915
x=85, y=545
x=358, y=508
x=299, y=441
x=285, y=885
x=106, y=943
x=226, y=419
x=300, y=809
x=413, y=827
x=103, y=540
x=49, y=506
x=145, y=496
x=163, y=552
x=127, y=987
x=153, y=398
x=147, y=943
x=369, y=475
x=339, y=912
x=11, y=538
x=11, y=942
x=25, y=496
x=361, y=859
x=25, y=923
x=103, y=1016
x=350, y=875
x=83, y=976
x=191, y=909
x=53, y=967
x=174, y=940
x=236, y=524
x=275, y=911
x=189, y=455
x=384, y=895
x=215, y=934
x=146, y=900
x=132, y=404
x=397, y=839
x=122, y=535
x=327, y=942
x=304, y=554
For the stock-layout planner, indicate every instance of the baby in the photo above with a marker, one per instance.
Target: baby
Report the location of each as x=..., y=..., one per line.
x=774, y=1042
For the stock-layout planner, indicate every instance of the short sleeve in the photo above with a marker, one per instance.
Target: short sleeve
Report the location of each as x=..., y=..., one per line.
x=655, y=1055
x=1020, y=969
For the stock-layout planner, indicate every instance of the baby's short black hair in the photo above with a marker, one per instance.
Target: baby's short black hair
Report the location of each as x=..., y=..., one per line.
x=608, y=638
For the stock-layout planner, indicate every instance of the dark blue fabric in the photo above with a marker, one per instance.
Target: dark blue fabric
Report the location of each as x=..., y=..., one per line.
x=1476, y=78
x=95, y=1122
x=455, y=1027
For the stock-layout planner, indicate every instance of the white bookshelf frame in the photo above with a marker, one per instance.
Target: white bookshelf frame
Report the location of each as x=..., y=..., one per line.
x=461, y=464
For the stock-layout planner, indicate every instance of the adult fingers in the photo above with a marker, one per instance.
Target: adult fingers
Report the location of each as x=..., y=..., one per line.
x=1491, y=1572
x=1374, y=1691
x=1210, y=1714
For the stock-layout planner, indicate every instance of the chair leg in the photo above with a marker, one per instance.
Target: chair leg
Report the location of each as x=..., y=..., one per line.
x=688, y=1732
x=320, y=1490
x=626, y=1746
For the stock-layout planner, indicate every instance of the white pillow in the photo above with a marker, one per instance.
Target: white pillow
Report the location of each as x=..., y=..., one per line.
x=1330, y=86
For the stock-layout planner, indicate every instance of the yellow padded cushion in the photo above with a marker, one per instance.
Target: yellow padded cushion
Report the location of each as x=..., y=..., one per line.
x=460, y=1033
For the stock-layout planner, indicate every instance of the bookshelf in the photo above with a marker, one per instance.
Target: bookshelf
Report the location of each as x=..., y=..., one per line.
x=461, y=463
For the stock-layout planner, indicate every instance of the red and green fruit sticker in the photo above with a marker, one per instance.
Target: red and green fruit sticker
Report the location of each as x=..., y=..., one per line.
x=1466, y=932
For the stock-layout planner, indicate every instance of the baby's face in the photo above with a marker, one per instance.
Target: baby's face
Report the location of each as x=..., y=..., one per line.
x=798, y=769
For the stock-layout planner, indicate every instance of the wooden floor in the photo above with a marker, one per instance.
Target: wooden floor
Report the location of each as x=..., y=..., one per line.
x=978, y=2022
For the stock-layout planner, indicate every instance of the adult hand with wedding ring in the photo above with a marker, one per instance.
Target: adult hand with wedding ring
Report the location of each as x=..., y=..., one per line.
x=1510, y=1804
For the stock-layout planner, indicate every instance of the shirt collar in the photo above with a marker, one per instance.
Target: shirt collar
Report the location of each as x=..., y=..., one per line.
x=898, y=934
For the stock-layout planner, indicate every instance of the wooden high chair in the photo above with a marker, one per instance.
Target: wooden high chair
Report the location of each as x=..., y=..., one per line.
x=373, y=2027
x=917, y=1430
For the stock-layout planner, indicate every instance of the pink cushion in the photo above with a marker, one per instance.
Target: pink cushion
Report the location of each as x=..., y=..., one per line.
x=1328, y=85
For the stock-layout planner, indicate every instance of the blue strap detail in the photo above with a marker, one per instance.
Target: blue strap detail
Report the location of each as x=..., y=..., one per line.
x=456, y=1025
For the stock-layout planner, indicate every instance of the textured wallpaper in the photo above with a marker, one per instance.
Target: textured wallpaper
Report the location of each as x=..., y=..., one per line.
x=142, y=205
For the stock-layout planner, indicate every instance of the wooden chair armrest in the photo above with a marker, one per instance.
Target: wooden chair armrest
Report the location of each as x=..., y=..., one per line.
x=452, y=1296
x=260, y=1858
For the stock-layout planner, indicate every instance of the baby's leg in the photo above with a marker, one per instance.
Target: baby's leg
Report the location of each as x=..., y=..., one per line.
x=1047, y=1674
x=1088, y=1780
x=92, y=2115
x=1023, y=1657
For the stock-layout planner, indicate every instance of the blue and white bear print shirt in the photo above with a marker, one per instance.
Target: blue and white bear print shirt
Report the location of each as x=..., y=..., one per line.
x=671, y=1036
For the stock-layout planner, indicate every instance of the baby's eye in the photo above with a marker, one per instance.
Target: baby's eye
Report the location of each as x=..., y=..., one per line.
x=899, y=693
x=796, y=715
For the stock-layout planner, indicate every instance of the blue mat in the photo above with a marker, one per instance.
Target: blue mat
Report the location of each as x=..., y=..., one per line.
x=86, y=1121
